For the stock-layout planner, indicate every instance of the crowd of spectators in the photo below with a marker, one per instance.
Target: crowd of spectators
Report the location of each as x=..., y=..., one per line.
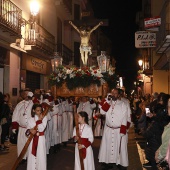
x=151, y=117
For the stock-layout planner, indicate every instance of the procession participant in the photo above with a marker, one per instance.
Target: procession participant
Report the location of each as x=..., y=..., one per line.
x=21, y=114
x=85, y=46
x=48, y=134
x=37, y=96
x=60, y=118
x=50, y=97
x=55, y=128
x=122, y=97
x=65, y=125
x=86, y=137
x=113, y=148
x=98, y=122
x=70, y=117
x=87, y=106
x=36, y=150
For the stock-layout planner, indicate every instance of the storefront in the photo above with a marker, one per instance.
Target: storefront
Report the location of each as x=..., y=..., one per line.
x=34, y=72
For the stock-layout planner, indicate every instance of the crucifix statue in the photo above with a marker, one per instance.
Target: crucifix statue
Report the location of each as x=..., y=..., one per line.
x=85, y=46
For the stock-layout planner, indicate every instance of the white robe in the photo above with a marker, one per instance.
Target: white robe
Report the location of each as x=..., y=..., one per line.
x=48, y=129
x=21, y=114
x=99, y=126
x=60, y=119
x=70, y=120
x=40, y=161
x=111, y=139
x=65, y=122
x=55, y=132
x=88, y=108
x=89, y=160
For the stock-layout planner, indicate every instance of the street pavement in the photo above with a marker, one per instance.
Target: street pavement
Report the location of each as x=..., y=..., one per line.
x=64, y=159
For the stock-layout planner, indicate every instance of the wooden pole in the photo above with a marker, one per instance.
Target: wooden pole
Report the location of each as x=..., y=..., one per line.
x=29, y=140
x=78, y=134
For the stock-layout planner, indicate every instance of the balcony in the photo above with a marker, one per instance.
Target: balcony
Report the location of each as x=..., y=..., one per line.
x=40, y=39
x=10, y=20
x=65, y=52
x=66, y=4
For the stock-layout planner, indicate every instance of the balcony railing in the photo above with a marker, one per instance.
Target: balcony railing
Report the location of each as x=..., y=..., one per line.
x=41, y=38
x=10, y=17
x=164, y=29
x=65, y=52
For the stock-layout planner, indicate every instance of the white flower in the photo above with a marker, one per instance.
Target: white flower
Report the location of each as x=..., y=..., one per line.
x=72, y=76
x=64, y=77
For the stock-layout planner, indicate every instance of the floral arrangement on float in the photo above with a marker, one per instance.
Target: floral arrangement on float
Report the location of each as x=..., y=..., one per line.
x=82, y=77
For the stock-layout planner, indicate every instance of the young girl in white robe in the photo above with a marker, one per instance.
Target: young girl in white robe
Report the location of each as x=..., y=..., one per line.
x=86, y=138
x=37, y=148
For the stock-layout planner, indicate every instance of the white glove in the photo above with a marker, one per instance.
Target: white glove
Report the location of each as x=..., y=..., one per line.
x=14, y=131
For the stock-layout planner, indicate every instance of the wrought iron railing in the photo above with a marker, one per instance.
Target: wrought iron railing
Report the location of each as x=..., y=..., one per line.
x=164, y=29
x=41, y=38
x=10, y=17
x=65, y=52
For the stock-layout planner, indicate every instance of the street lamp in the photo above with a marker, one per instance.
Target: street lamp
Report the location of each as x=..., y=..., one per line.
x=103, y=62
x=56, y=61
x=140, y=62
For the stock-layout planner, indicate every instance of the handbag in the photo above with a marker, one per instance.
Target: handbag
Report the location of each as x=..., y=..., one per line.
x=163, y=165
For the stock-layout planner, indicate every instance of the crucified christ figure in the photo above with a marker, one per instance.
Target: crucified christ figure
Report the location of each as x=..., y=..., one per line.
x=85, y=46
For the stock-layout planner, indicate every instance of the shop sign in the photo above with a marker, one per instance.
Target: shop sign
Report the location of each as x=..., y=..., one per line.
x=152, y=22
x=144, y=39
x=34, y=64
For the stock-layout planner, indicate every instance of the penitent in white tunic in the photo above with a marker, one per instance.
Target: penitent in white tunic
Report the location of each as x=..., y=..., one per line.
x=111, y=139
x=21, y=114
x=40, y=161
x=86, y=132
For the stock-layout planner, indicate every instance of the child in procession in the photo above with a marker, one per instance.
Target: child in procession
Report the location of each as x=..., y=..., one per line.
x=37, y=148
x=86, y=139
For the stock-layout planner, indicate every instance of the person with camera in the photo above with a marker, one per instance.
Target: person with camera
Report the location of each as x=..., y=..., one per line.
x=113, y=148
x=87, y=106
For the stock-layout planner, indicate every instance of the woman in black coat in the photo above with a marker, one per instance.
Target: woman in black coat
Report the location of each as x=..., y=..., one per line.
x=154, y=132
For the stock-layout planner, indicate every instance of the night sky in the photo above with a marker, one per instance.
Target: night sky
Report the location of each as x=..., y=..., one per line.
x=121, y=31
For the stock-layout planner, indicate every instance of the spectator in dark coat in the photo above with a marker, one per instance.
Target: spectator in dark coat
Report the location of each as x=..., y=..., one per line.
x=154, y=132
x=5, y=120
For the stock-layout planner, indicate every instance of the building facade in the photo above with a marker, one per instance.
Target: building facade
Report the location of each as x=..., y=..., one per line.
x=28, y=41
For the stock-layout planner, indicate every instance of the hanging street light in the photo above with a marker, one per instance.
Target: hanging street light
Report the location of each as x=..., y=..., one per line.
x=56, y=61
x=103, y=62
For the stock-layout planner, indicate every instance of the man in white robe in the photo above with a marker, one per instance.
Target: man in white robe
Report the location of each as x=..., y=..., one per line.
x=113, y=148
x=88, y=107
x=129, y=112
x=21, y=114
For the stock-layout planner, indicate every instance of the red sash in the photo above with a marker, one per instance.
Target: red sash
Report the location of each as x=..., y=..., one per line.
x=86, y=143
x=35, y=139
